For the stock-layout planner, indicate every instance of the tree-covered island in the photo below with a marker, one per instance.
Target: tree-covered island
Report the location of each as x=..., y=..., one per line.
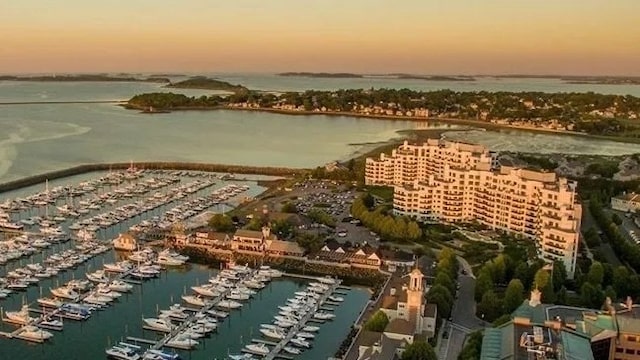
x=203, y=82
x=589, y=113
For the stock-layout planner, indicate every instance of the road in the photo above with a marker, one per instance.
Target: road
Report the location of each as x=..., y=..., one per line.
x=463, y=319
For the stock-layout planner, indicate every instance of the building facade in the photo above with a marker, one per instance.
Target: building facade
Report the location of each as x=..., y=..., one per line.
x=626, y=202
x=456, y=182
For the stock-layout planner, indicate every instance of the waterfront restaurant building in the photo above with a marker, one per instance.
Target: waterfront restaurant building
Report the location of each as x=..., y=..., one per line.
x=457, y=182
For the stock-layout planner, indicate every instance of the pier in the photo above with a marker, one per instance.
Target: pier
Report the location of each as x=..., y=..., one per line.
x=275, y=352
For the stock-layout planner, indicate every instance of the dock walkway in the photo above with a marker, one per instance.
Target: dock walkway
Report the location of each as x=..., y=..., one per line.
x=275, y=352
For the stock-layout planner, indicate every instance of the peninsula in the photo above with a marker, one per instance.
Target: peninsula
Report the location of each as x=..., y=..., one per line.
x=614, y=116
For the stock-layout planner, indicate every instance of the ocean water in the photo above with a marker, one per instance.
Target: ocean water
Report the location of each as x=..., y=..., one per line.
x=45, y=137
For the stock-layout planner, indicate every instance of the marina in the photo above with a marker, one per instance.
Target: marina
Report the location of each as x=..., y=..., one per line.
x=117, y=323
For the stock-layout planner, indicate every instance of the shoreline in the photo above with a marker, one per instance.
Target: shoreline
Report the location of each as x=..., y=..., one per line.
x=474, y=123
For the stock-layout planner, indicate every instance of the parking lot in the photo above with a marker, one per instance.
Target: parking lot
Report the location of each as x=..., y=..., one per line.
x=335, y=201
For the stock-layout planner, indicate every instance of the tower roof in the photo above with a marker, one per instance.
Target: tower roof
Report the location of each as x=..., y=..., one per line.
x=416, y=272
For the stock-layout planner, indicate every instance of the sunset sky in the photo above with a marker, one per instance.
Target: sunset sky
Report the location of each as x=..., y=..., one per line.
x=366, y=36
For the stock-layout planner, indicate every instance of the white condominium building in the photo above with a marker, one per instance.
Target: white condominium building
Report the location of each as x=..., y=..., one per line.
x=457, y=182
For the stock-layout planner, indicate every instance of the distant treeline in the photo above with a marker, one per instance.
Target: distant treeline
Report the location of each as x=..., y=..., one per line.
x=81, y=169
x=85, y=77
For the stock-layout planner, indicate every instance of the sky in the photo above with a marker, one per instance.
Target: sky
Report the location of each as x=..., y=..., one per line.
x=578, y=37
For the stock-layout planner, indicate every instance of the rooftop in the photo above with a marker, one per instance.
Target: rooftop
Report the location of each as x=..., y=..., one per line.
x=401, y=326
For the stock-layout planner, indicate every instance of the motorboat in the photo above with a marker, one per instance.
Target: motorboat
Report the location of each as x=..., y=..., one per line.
x=260, y=349
x=291, y=350
x=49, y=323
x=206, y=290
x=123, y=351
x=182, y=342
x=152, y=354
x=120, y=286
x=218, y=313
x=98, y=276
x=229, y=304
x=103, y=290
x=159, y=324
x=75, y=311
x=321, y=315
x=20, y=317
x=194, y=300
x=240, y=357
x=310, y=328
x=79, y=285
x=65, y=293
x=50, y=302
x=336, y=298
x=33, y=333
x=237, y=295
x=169, y=261
x=305, y=335
x=273, y=333
x=299, y=342
x=119, y=267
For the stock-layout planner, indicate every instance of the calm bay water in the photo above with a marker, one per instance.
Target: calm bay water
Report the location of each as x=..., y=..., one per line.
x=39, y=138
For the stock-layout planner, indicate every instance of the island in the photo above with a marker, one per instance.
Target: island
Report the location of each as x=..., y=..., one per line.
x=84, y=77
x=614, y=116
x=578, y=79
x=434, y=77
x=321, y=75
x=205, y=83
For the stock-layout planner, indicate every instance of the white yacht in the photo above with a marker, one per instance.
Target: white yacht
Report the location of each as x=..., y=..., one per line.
x=98, y=276
x=300, y=342
x=123, y=352
x=273, y=333
x=65, y=293
x=33, y=333
x=260, y=349
x=168, y=260
x=159, y=324
x=206, y=290
x=194, y=300
x=181, y=342
x=50, y=302
x=291, y=350
x=229, y=304
x=20, y=317
x=120, y=286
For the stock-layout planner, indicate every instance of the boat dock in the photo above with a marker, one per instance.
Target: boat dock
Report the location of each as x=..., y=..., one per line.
x=163, y=342
x=275, y=352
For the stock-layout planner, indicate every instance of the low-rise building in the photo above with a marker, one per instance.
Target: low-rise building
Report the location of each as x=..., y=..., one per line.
x=626, y=202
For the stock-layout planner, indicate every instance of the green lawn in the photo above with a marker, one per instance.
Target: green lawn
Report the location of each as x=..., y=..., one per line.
x=383, y=192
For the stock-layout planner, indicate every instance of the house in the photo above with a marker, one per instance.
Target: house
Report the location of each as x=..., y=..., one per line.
x=363, y=257
x=626, y=202
x=250, y=240
x=283, y=248
x=376, y=346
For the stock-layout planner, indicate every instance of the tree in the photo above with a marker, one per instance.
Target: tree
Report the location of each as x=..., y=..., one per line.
x=289, y=207
x=419, y=350
x=221, y=223
x=490, y=306
x=484, y=283
x=413, y=231
x=442, y=278
x=472, y=348
x=559, y=275
x=378, y=322
x=616, y=219
x=621, y=280
x=522, y=273
x=596, y=273
x=311, y=243
x=543, y=282
x=591, y=295
x=441, y=296
x=513, y=296
x=368, y=201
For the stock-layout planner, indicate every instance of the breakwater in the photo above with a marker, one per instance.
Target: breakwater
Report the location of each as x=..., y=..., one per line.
x=189, y=166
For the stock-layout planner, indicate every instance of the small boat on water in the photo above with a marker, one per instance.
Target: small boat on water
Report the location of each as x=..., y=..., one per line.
x=50, y=302
x=310, y=328
x=299, y=342
x=120, y=286
x=152, y=354
x=291, y=350
x=20, y=317
x=123, y=351
x=194, y=300
x=159, y=324
x=182, y=342
x=125, y=242
x=33, y=333
x=241, y=357
x=260, y=349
